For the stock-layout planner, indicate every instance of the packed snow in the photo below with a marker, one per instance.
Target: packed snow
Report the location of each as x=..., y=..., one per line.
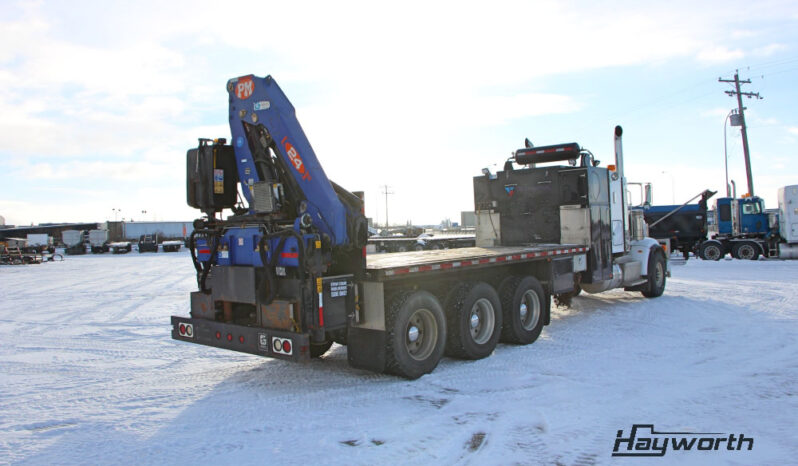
x=89, y=374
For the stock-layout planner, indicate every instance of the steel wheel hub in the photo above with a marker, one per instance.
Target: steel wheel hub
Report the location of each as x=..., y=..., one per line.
x=529, y=310
x=482, y=321
x=421, y=334
x=412, y=334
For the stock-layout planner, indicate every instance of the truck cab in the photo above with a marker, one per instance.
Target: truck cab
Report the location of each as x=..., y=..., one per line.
x=745, y=216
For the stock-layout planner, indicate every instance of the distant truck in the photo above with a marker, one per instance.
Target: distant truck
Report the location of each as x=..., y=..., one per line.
x=683, y=226
x=148, y=243
x=75, y=241
x=39, y=243
x=747, y=231
x=98, y=239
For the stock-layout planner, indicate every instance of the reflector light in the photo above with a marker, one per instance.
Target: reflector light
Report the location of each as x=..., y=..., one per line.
x=282, y=346
x=229, y=337
x=218, y=335
x=241, y=339
x=185, y=330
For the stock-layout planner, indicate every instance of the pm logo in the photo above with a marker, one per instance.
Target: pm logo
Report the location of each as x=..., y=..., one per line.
x=245, y=87
x=510, y=189
x=644, y=441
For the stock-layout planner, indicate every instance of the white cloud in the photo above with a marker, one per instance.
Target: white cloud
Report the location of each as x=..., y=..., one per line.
x=719, y=54
x=384, y=91
x=769, y=50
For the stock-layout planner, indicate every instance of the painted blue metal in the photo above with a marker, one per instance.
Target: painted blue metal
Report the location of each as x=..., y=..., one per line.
x=260, y=101
x=751, y=212
x=240, y=246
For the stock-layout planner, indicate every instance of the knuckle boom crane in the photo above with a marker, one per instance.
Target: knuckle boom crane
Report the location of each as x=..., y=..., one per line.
x=285, y=273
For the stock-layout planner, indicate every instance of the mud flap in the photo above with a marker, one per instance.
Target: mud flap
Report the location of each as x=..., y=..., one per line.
x=366, y=349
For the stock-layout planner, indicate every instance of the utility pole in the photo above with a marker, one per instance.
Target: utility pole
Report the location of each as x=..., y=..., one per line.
x=386, y=192
x=740, y=108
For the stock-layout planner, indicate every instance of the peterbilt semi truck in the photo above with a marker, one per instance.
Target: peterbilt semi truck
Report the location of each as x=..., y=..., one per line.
x=282, y=272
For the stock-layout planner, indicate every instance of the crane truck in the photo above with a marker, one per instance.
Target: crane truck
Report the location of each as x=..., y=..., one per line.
x=285, y=273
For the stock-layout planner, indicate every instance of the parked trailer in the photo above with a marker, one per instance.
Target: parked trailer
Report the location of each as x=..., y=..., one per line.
x=98, y=240
x=74, y=240
x=285, y=276
x=132, y=231
x=421, y=242
x=39, y=243
x=120, y=247
x=171, y=246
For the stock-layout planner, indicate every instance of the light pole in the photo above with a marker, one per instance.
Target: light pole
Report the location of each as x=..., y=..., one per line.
x=116, y=212
x=725, y=151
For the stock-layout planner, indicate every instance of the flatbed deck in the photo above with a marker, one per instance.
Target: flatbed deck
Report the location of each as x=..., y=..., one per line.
x=390, y=265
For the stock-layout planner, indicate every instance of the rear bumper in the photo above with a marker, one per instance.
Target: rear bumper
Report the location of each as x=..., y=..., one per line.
x=253, y=340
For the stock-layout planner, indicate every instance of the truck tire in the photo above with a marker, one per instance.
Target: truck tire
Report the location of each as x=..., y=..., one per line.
x=318, y=350
x=473, y=321
x=418, y=247
x=524, y=307
x=746, y=250
x=416, y=334
x=657, y=269
x=711, y=250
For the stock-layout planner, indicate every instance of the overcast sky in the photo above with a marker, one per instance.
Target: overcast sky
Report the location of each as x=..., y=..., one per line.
x=99, y=101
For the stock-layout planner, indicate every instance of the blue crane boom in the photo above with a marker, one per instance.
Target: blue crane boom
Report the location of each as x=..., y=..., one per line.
x=263, y=119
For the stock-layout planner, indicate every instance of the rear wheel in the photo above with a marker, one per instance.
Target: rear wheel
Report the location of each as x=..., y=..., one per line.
x=474, y=321
x=711, y=250
x=656, y=274
x=524, y=306
x=416, y=334
x=318, y=350
x=747, y=250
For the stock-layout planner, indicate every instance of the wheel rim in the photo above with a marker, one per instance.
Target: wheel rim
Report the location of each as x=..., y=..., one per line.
x=712, y=252
x=529, y=310
x=659, y=274
x=482, y=321
x=745, y=251
x=421, y=334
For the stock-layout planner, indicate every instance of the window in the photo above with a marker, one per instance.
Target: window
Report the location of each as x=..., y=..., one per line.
x=752, y=208
x=725, y=212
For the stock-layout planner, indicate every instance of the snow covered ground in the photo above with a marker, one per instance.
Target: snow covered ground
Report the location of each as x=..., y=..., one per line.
x=89, y=374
